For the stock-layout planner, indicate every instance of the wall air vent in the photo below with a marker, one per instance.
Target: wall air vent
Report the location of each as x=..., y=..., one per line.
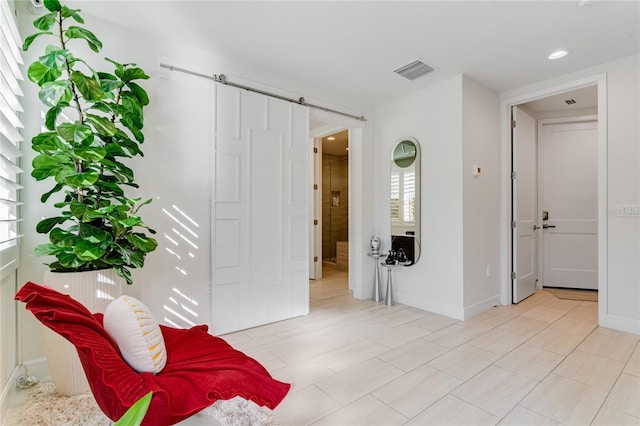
x=570, y=101
x=415, y=69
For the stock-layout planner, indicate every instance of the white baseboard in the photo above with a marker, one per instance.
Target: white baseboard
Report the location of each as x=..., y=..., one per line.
x=8, y=393
x=455, y=312
x=37, y=368
x=480, y=307
x=619, y=323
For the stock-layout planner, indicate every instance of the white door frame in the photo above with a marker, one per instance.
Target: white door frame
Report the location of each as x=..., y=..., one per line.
x=335, y=124
x=315, y=207
x=505, y=185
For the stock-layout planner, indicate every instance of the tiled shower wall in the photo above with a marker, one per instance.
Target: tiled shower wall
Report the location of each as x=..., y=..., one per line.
x=335, y=190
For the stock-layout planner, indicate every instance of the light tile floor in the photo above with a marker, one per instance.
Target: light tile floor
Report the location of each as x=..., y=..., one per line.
x=355, y=362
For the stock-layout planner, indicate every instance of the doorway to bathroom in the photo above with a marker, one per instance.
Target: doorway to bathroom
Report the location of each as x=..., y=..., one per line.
x=335, y=200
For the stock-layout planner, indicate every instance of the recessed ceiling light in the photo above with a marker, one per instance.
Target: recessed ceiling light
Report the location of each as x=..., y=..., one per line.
x=558, y=54
x=331, y=138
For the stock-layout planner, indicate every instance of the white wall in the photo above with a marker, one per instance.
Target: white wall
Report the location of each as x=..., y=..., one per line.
x=433, y=116
x=456, y=123
x=481, y=194
x=623, y=175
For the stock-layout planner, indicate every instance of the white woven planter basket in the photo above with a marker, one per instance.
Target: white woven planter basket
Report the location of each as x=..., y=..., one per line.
x=95, y=290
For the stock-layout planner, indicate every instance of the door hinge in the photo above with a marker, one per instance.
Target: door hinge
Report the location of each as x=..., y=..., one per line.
x=513, y=224
x=513, y=124
x=315, y=221
x=513, y=175
x=315, y=258
x=315, y=186
x=315, y=150
x=513, y=275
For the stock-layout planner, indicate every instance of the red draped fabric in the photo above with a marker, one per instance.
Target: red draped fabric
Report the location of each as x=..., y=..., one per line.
x=200, y=369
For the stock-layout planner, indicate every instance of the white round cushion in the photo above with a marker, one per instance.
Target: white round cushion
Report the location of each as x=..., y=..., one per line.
x=137, y=334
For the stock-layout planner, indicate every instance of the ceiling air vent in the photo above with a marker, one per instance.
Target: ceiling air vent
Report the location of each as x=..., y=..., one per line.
x=570, y=101
x=415, y=69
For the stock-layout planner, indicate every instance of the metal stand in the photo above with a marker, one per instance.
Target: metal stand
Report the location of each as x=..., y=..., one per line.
x=377, y=288
x=389, y=300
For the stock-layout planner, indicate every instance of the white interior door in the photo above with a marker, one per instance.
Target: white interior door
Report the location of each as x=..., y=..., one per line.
x=524, y=215
x=260, y=210
x=569, y=193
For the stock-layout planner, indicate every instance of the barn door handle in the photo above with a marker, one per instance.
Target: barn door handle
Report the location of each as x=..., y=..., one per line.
x=545, y=226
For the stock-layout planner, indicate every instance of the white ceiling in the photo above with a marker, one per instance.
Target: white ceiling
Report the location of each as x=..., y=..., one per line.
x=351, y=48
x=583, y=98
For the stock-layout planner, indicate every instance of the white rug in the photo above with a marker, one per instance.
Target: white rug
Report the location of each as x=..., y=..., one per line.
x=44, y=407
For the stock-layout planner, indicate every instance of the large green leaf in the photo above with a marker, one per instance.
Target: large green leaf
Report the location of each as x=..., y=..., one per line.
x=92, y=214
x=139, y=92
x=72, y=13
x=83, y=33
x=131, y=221
x=62, y=238
x=46, y=141
x=40, y=74
x=110, y=187
x=124, y=173
x=65, y=170
x=74, y=132
x=134, y=415
x=54, y=57
x=126, y=274
x=70, y=260
x=92, y=154
x=30, y=39
x=102, y=125
x=130, y=74
x=142, y=242
x=115, y=150
x=130, y=256
x=82, y=180
x=88, y=251
x=102, y=106
x=135, y=131
x=78, y=209
x=52, y=5
x=46, y=225
x=87, y=86
x=55, y=92
x=109, y=82
x=45, y=22
x=132, y=108
x=47, y=249
x=45, y=166
x=51, y=117
x=44, y=197
x=119, y=68
x=94, y=234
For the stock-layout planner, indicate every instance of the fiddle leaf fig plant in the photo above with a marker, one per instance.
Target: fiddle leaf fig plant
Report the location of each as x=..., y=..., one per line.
x=93, y=124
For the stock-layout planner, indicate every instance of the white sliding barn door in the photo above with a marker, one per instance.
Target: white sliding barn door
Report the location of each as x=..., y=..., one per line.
x=260, y=246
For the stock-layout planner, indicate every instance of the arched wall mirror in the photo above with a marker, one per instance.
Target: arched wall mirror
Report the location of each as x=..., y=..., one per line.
x=405, y=199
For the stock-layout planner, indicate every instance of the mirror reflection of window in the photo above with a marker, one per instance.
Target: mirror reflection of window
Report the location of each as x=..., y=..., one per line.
x=405, y=197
